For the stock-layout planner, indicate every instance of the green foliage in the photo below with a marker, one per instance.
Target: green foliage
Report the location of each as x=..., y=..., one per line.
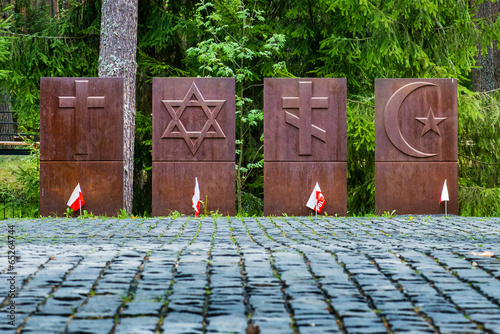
x=69, y=212
x=479, y=153
x=384, y=39
x=388, y=214
x=143, y=155
x=122, y=214
x=245, y=39
x=23, y=196
x=4, y=44
x=361, y=155
x=44, y=46
x=238, y=44
x=480, y=202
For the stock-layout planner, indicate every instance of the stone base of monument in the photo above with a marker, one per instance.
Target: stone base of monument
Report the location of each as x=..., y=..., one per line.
x=415, y=187
x=174, y=182
x=288, y=185
x=101, y=184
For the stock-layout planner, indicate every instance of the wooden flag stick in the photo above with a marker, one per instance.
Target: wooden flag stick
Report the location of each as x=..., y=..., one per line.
x=446, y=208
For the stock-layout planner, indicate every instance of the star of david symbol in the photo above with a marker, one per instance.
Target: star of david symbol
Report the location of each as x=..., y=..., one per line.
x=430, y=123
x=305, y=102
x=211, y=128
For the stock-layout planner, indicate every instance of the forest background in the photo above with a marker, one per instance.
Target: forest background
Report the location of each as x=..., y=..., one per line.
x=251, y=39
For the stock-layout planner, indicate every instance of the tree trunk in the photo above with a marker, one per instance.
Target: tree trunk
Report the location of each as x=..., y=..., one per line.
x=55, y=8
x=117, y=58
x=487, y=77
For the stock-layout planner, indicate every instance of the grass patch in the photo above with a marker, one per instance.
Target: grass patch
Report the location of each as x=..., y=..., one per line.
x=9, y=163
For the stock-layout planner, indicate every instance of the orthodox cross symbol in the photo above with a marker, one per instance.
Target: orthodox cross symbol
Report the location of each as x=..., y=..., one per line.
x=82, y=102
x=176, y=129
x=305, y=102
x=430, y=123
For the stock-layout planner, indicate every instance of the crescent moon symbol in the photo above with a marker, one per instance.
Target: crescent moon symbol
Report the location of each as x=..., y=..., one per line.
x=391, y=120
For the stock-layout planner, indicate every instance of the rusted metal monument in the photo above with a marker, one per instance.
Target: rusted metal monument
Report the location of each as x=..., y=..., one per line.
x=193, y=136
x=415, y=145
x=305, y=142
x=81, y=141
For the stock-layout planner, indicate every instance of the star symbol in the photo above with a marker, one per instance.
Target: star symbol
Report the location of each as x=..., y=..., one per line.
x=176, y=129
x=430, y=122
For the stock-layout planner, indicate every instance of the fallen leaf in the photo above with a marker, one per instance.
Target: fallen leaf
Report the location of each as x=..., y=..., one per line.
x=485, y=253
x=474, y=264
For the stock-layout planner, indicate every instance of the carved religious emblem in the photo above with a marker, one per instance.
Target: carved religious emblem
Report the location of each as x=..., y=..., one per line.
x=391, y=121
x=305, y=102
x=82, y=102
x=208, y=108
x=430, y=123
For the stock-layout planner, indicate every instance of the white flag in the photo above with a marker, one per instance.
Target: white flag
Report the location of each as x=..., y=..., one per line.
x=196, y=199
x=76, y=199
x=316, y=201
x=444, y=193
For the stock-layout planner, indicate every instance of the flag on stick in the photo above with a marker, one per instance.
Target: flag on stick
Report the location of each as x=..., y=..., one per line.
x=316, y=200
x=444, y=193
x=196, y=199
x=76, y=200
x=445, y=197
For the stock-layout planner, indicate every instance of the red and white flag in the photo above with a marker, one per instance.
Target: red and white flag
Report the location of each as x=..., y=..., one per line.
x=76, y=199
x=316, y=200
x=444, y=193
x=196, y=199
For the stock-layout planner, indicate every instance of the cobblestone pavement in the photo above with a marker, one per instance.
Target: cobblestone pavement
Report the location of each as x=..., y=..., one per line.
x=222, y=275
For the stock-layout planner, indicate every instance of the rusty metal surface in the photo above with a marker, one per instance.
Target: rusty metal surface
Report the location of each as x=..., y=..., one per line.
x=415, y=188
x=305, y=119
x=193, y=119
x=101, y=184
x=81, y=119
x=173, y=187
x=416, y=120
x=288, y=185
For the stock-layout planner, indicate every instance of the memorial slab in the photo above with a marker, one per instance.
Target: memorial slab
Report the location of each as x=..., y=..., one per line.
x=305, y=141
x=101, y=184
x=293, y=183
x=81, y=136
x=416, y=145
x=81, y=119
x=193, y=136
x=174, y=183
x=305, y=119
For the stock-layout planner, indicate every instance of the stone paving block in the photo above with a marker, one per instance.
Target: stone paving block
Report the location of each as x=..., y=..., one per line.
x=177, y=322
x=273, y=324
x=99, y=306
x=278, y=270
x=49, y=324
x=137, y=325
x=58, y=307
x=90, y=326
x=227, y=324
x=142, y=308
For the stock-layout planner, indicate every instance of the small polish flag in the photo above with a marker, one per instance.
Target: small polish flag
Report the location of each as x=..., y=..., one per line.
x=196, y=199
x=316, y=200
x=444, y=193
x=76, y=199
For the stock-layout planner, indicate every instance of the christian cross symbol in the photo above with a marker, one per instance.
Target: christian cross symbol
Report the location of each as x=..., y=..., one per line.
x=82, y=102
x=305, y=102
